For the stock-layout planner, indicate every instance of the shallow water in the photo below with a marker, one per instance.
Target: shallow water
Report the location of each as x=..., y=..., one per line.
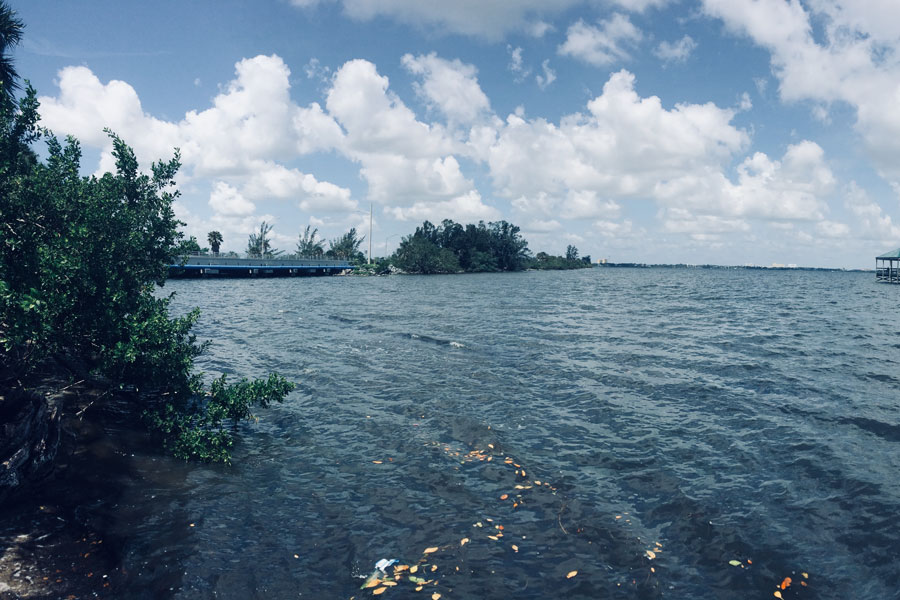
x=705, y=416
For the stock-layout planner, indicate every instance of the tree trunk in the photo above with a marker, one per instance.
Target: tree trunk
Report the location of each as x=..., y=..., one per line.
x=29, y=437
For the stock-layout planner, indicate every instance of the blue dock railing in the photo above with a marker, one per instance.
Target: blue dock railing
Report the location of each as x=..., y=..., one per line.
x=208, y=265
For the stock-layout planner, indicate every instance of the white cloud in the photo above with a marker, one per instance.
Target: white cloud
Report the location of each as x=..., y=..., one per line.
x=489, y=19
x=226, y=200
x=277, y=181
x=548, y=77
x=676, y=51
x=872, y=223
x=640, y=5
x=855, y=60
x=465, y=208
x=832, y=229
x=601, y=45
x=623, y=148
x=449, y=86
x=515, y=64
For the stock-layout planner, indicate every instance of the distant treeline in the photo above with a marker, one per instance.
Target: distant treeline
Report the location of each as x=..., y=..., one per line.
x=486, y=247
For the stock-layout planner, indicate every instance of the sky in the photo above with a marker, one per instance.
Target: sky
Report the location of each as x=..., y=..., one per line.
x=662, y=131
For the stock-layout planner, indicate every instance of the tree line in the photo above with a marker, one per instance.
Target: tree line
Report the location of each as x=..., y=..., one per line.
x=446, y=248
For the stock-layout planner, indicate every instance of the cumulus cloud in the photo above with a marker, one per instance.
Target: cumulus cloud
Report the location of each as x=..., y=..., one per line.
x=623, y=147
x=675, y=51
x=451, y=87
x=853, y=61
x=601, y=45
x=226, y=200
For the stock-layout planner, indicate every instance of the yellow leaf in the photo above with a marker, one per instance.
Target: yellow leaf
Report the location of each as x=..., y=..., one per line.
x=414, y=568
x=515, y=548
x=377, y=462
x=430, y=550
x=651, y=554
x=571, y=574
x=493, y=537
x=419, y=588
x=464, y=541
x=389, y=583
x=777, y=594
x=536, y=482
x=379, y=591
x=433, y=568
x=435, y=596
x=373, y=583
x=400, y=568
x=805, y=575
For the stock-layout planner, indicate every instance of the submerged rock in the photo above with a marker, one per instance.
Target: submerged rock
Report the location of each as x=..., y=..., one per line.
x=29, y=438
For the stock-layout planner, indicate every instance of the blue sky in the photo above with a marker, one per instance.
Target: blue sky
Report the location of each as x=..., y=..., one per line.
x=697, y=131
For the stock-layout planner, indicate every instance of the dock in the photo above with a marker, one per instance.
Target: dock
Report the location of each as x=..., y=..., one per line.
x=200, y=266
x=887, y=267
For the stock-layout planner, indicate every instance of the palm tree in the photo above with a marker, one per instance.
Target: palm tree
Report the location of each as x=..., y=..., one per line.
x=10, y=35
x=309, y=246
x=215, y=240
x=260, y=244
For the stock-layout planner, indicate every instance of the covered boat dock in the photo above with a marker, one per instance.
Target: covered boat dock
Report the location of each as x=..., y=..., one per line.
x=887, y=267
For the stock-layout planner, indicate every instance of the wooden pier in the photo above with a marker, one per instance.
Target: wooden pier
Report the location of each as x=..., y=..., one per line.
x=887, y=267
x=220, y=266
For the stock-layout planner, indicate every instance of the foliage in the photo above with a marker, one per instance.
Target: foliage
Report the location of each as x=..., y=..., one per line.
x=450, y=247
x=80, y=258
x=308, y=246
x=10, y=35
x=190, y=246
x=347, y=247
x=199, y=429
x=571, y=252
x=215, y=241
x=260, y=244
x=418, y=254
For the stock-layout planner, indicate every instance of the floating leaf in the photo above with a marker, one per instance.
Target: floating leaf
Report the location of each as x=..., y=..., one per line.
x=379, y=591
x=786, y=583
x=536, y=482
x=433, y=568
x=435, y=596
x=777, y=594
x=430, y=550
x=571, y=574
x=515, y=548
x=377, y=462
x=464, y=541
x=419, y=588
x=651, y=554
x=372, y=583
x=414, y=568
x=734, y=563
x=805, y=575
x=504, y=496
x=493, y=537
x=389, y=583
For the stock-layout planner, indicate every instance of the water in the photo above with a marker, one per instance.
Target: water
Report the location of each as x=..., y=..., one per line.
x=703, y=416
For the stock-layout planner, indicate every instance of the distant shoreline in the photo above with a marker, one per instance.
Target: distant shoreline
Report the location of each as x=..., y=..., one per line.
x=729, y=267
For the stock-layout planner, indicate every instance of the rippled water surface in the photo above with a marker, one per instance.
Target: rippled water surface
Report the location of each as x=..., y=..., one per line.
x=704, y=416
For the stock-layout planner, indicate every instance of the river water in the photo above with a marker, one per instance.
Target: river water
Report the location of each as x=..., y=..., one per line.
x=662, y=433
